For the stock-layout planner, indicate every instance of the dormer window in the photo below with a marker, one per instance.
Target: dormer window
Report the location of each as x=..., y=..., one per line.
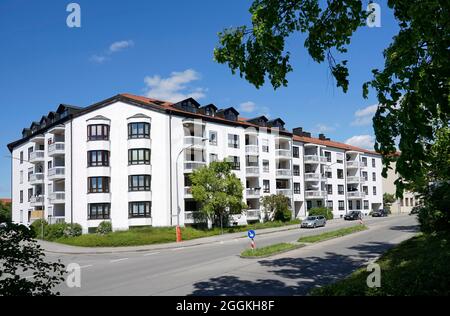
x=209, y=111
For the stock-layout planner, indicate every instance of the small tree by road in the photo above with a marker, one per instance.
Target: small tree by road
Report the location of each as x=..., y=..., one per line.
x=5, y=212
x=388, y=199
x=276, y=207
x=218, y=191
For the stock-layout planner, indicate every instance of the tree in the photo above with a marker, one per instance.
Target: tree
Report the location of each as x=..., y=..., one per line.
x=20, y=253
x=5, y=212
x=324, y=211
x=218, y=191
x=276, y=206
x=388, y=199
x=412, y=89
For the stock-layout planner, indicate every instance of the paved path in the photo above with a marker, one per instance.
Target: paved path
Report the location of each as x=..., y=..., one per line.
x=216, y=269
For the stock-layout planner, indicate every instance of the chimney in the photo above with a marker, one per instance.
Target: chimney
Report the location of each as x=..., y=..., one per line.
x=307, y=134
x=298, y=131
x=322, y=137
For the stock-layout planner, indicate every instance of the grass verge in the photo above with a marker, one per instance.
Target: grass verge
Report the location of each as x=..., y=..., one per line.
x=157, y=235
x=333, y=234
x=269, y=250
x=418, y=266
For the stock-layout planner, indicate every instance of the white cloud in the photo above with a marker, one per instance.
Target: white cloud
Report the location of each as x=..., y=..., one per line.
x=363, y=141
x=175, y=87
x=120, y=45
x=323, y=128
x=247, y=107
x=364, y=116
x=98, y=59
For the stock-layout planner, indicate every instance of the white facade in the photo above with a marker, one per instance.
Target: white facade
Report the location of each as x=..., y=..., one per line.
x=68, y=178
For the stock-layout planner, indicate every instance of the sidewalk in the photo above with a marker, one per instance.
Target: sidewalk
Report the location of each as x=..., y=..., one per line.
x=53, y=247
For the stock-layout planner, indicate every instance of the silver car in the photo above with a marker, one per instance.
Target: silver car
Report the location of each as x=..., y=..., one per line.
x=314, y=221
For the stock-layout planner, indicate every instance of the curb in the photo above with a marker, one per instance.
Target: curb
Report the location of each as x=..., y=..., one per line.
x=276, y=253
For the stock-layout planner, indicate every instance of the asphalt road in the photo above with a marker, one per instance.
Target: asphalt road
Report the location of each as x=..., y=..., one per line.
x=216, y=269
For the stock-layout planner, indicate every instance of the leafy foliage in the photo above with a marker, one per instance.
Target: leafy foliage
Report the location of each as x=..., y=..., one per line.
x=20, y=253
x=276, y=207
x=218, y=191
x=388, y=199
x=55, y=231
x=105, y=227
x=5, y=212
x=324, y=211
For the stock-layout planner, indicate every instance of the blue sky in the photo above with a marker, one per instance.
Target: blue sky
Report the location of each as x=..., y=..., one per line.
x=165, y=49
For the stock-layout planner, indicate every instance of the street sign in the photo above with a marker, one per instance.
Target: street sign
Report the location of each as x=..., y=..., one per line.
x=251, y=234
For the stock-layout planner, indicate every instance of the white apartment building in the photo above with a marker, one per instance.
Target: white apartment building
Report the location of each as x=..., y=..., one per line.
x=127, y=159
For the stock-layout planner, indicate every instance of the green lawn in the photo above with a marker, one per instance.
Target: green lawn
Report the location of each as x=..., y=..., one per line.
x=269, y=250
x=333, y=234
x=418, y=266
x=157, y=235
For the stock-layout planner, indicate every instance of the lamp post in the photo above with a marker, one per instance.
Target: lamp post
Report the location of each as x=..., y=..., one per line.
x=177, y=183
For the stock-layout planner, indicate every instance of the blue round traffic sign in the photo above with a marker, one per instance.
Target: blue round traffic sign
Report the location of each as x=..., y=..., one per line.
x=251, y=234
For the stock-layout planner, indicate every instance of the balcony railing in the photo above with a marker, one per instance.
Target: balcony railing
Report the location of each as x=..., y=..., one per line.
x=37, y=156
x=312, y=176
x=253, y=213
x=284, y=172
x=354, y=179
x=252, y=170
x=352, y=164
x=311, y=158
x=316, y=194
x=252, y=192
x=356, y=194
x=194, y=140
x=56, y=197
x=36, y=178
x=284, y=191
x=37, y=200
x=56, y=173
x=56, y=148
x=251, y=149
x=193, y=165
x=283, y=153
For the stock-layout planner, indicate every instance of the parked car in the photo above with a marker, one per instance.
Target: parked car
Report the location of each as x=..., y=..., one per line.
x=353, y=215
x=380, y=213
x=314, y=221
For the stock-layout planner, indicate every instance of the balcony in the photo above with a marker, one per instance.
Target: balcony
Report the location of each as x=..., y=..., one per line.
x=190, y=166
x=188, y=121
x=311, y=159
x=283, y=153
x=352, y=164
x=354, y=179
x=251, y=149
x=252, y=171
x=36, y=178
x=37, y=156
x=284, y=191
x=38, y=139
x=37, y=200
x=356, y=195
x=315, y=194
x=312, y=176
x=56, y=149
x=253, y=214
x=194, y=141
x=56, y=173
x=57, y=197
x=284, y=173
x=252, y=193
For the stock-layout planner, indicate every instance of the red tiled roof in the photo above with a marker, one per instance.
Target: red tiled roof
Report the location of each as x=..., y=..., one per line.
x=5, y=200
x=331, y=143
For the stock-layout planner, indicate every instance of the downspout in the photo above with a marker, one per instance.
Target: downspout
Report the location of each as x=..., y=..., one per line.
x=71, y=173
x=170, y=168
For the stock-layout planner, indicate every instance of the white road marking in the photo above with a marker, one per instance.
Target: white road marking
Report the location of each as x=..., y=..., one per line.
x=118, y=260
x=151, y=254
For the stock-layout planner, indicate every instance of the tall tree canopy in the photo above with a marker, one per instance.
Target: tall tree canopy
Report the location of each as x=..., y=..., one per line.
x=412, y=89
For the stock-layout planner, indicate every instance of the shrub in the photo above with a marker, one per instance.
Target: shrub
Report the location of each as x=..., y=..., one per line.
x=73, y=230
x=104, y=228
x=282, y=215
x=324, y=211
x=55, y=231
x=36, y=227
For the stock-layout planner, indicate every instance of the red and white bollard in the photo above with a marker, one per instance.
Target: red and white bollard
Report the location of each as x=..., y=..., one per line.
x=253, y=244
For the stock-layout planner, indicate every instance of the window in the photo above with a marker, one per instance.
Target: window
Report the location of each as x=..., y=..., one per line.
x=30, y=172
x=49, y=165
x=406, y=202
x=139, y=156
x=319, y=203
x=213, y=157
x=364, y=174
x=140, y=209
x=266, y=186
x=328, y=156
x=21, y=176
x=364, y=161
x=97, y=158
x=21, y=157
x=341, y=205
x=99, y=210
x=350, y=205
x=340, y=174
x=374, y=176
x=21, y=196
x=139, y=183
x=330, y=204
x=213, y=138
x=30, y=194
x=265, y=145
x=297, y=188
x=296, y=170
x=308, y=205
x=366, y=204
x=340, y=189
x=329, y=174
x=366, y=189
x=339, y=158
x=235, y=163
x=329, y=189
x=373, y=162
x=233, y=141
x=98, y=185
x=98, y=132
x=30, y=150
x=295, y=152
x=358, y=204
x=138, y=130
x=265, y=165
x=251, y=161
x=374, y=190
